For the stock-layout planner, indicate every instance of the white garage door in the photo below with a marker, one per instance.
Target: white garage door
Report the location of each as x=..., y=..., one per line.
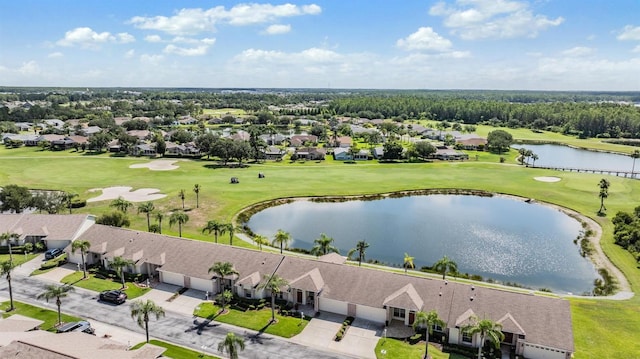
x=333, y=306
x=538, y=352
x=205, y=285
x=173, y=278
x=373, y=314
x=56, y=243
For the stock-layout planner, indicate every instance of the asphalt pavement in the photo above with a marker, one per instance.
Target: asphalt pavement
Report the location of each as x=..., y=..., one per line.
x=177, y=328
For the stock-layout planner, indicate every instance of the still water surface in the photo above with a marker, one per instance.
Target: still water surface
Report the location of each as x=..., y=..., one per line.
x=496, y=237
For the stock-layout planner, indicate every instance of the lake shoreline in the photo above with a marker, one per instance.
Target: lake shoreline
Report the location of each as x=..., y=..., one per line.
x=597, y=257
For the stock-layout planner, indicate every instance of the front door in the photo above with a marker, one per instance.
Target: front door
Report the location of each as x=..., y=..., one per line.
x=412, y=317
x=508, y=338
x=299, y=297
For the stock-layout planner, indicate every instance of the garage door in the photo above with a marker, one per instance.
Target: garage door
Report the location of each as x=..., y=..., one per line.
x=173, y=278
x=538, y=352
x=333, y=306
x=373, y=314
x=205, y=285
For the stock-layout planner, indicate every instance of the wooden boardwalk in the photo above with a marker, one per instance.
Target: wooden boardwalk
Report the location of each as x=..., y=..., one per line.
x=619, y=173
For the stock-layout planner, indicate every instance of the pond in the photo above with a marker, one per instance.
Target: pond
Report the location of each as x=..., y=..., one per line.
x=501, y=238
x=565, y=156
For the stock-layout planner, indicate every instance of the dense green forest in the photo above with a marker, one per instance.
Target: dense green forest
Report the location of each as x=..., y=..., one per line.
x=584, y=114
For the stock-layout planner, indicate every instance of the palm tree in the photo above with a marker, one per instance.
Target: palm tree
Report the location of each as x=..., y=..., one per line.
x=534, y=157
x=147, y=208
x=408, y=262
x=323, y=246
x=604, y=193
x=67, y=198
x=522, y=152
x=121, y=204
x=182, y=195
x=361, y=248
x=427, y=321
x=488, y=329
x=216, y=227
x=232, y=344
x=56, y=291
x=281, y=238
x=141, y=310
x=445, y=265
x=260, y=240
x=159, y=217
x=180, y=218
x=274, y=284
x=222, y=270
x=5, y=269
x=119, y=264
x=231, y=230
x=83, y=246
x=196, y=189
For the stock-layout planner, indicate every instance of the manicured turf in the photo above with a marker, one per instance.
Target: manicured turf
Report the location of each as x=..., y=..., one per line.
x=257, y=320
x=50, y=317
x=221, y=200
x=394, y=348
x=177, y=352
x=18, y=259
x=98, y=285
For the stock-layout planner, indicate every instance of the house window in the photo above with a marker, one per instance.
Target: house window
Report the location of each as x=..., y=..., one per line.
x=437, y=328
x=247, y=293
x=398, y=313
x=466, y=338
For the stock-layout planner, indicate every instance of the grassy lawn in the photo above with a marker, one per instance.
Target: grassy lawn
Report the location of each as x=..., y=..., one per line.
x=50, y=317
x=394, y=348
x=98, y=285
x=220, y=200
x=18, y=259
x=177, y=352
x=257, y=320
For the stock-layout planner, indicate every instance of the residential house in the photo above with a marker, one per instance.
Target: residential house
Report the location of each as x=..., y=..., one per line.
x=534, y=326
x=142, y=135
x=309, y=153
x=378, y=153
x=472, y=142
x=344, y=142
x=273, y=153
x=27, y=140
x=302, y=140
x=50, y=138
x=182, y=150
x=121, y=120
x=449, y=154
x=273, y=140
x=24, y=126
x=144, y=149
x=342, y=154
x=55, y=123
x=185, y=120
x=55, y=231
x=91, y=130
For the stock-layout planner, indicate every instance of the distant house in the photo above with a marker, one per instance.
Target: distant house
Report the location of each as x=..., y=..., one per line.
x=362, y=155
x=309, y=153
x=449, y=154
x=344, y=142
x=301, y=140
x=182, y=150
x=55, y=123
x=240, y=136
x=472, y=142
x=275, y=139
x=24, y=126
x=356, y=130
x=27, y=140
x=342, y=154
x=144, y=150
x=120, y=120
x=186, y=120
x=50, y=138
x=142, y=135
x=91, y=130
x=273, y=153
x=378, y=153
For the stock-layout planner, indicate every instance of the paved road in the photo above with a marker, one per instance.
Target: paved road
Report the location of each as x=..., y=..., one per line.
x=174, y=327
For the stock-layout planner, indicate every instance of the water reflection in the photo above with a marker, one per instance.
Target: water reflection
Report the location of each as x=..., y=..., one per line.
x=500, y=238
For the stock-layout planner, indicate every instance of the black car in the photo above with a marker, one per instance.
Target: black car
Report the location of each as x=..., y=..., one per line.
x=52, y=253
x=113, y=296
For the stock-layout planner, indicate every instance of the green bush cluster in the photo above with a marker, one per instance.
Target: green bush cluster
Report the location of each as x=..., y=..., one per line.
x=345, y=325
x=55, y=262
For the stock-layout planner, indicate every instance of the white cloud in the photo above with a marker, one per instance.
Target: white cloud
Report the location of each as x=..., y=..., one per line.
x=87, y=38
x=84, y=37
x=129, y=54
x=54, y=55
x=152, y=38
x=125, y=38
x=630, y=33
x=305, y=57
x=151, y=59
x=578, y=51
x=424, y=39
x=29, y=68
x=183, y=51
x=194, y=21
x=277, y=29
x=636, y=49
x=477, y=19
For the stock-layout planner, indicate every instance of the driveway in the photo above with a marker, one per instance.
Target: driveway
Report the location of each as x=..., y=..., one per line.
x=56, y=275
x=184, y=304
x=359, y=341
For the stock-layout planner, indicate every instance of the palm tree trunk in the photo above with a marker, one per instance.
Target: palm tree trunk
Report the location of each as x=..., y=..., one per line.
x=84, y=266
x=426, y=347
x=280, y=247
x=146, y=328
x=180, y=230
x=480, y=346
x=122, y=277
x=216, y=235
x=148, y=222
x=273, y=307
x=58, y=303
x=10, y=292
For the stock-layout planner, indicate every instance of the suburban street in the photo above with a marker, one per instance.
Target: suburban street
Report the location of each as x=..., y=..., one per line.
x=176, y=328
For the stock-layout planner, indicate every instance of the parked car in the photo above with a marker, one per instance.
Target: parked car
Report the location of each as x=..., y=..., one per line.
x=81, y=326
x=52, y=253
x=113, y=296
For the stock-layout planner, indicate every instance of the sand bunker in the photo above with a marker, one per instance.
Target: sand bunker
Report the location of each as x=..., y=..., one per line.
x=157, y=165
x=547, y=179
x=139, y=195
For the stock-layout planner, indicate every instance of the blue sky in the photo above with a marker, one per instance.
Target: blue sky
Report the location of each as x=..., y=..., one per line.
x=409, y=44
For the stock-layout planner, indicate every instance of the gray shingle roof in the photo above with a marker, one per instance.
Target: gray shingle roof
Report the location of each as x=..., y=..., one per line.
x=54, y=227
